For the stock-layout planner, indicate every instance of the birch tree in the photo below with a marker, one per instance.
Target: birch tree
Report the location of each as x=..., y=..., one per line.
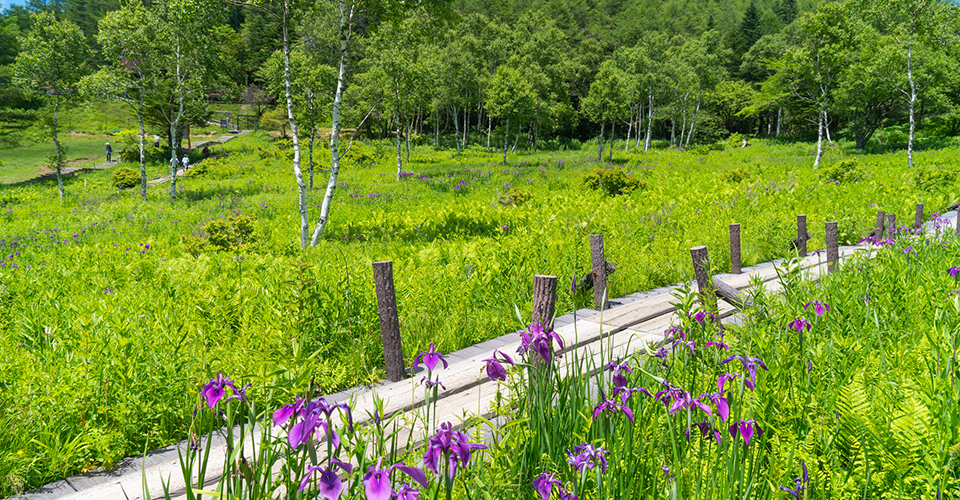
x=510, y=97
x=606, y=102
x=913, y=37
x=129, y=39
x=51, y=61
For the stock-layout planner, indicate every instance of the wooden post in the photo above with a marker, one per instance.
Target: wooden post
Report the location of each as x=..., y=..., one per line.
x=881, y=216
x=599, y=271
x=892, y=224
x=701, y=267
x=802, y=235
x=735, y=259
x=833, y=252
x=918, y=220
x=389, y=320
x=544, y=298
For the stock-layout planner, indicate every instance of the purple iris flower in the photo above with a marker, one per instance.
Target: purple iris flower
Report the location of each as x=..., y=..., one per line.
x=686, y=401
x=750, y=364
x=453, y=447
x=626, y=392
x=746, y=429
x=707, y=431
x=377, y=484
x=799, y=484
x=432, y=383
x=820, y=308
x=214, y=390
x=611, y=406
x=566, y=495
x=619, y=377
x=909, y=250
x=538, y=337
x=495, y=370
x=544, y=483
x=718, y=344
x=723, y=406
x=701, y=315
x=954, y=271
x=406, y=493
x=430, y=358
x=585, y=457
x=330, y=485
x=307, y=421
x=668, y=394
x=799, y=324
x=809, y=366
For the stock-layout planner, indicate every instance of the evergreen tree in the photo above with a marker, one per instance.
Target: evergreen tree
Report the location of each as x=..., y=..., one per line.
x=786, y=10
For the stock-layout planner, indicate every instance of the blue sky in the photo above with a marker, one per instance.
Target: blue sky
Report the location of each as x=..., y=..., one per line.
x=7, y=3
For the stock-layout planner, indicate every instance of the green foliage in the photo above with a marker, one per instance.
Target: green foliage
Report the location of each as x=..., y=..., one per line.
x=843, y=171
x=613, y=181
x=737, y=175
x=125, y=177
x=232, y=234
x=935, y=178
x=515, y=198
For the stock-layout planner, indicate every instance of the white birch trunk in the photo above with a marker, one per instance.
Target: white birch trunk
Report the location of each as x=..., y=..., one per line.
x=345, y=18
x=913, y=102
x=600, y=142
x=647, y=140
x=626, y=146
x=58, y=158
x=313, y=137
x=779, y=119
x=816, y=160
x=399, y=142
x=613, y=135
x=456, y=130
x=294, y=134
x=693, y=121
x=506, y=137
x=143, y=157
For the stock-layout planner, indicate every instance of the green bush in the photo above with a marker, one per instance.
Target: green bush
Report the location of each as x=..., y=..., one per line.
x=737, y=175
x=843, y=171
x=931, y=178
x=233, y=234
x=613, y=181
x=124, y=178
x=515, y=198
x=150, y=154
x=574, y=145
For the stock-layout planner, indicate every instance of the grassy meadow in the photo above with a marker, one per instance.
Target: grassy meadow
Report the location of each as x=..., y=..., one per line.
x=113, y=311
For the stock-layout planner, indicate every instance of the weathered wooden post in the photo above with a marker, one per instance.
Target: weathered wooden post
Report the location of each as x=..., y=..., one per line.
x=544, y=298
x=833, y=252
x=735, y=259
x=599, y=271
x=918, y=219
x=802, y=235
x=881, y=216
x=389, y=320
x=892, y=225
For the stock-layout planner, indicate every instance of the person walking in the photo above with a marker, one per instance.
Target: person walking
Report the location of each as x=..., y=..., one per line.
x=156, y=141
x=109, y=152
x=185, y=162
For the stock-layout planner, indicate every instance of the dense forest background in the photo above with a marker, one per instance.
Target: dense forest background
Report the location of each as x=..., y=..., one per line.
x=545, y=74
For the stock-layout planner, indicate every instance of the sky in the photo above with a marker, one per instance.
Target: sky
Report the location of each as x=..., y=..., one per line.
x=8, y=3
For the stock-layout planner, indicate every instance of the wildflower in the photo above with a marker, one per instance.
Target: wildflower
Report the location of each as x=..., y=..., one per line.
x=452, y=446
x=611, y=406
x=213, y=391
x=722, y=379
x=619, y=378
x=406, y=493
x=723, y=406
x=953, y=271
x=750, y=364
x=376, y=482
x=330, y=484
x=686, y=401
x=543, y=485
x=308, y=421
x=430, y=358
x=701, y=315
x=495, y=370
x=809, y=366
x=432, y=383
x=538, y=337
x=746, y=429
x=819, y=308
x=800, y=484
x=505, y=229
x=909, y=250
x=799, y=324
x=586, y=456
x=718, y=344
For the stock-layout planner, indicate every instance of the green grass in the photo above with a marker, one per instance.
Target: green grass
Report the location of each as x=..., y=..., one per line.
x=20, y=164
x=106, y=339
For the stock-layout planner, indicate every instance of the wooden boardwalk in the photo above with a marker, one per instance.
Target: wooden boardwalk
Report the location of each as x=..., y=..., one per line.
x=639, y=321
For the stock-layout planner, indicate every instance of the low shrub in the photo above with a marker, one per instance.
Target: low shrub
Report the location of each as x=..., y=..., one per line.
x=737, y=175
x=613, y=181
x=843, y=171
x=233, y=234
x=930, y=178
x=515, y=198
x=124, y=178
